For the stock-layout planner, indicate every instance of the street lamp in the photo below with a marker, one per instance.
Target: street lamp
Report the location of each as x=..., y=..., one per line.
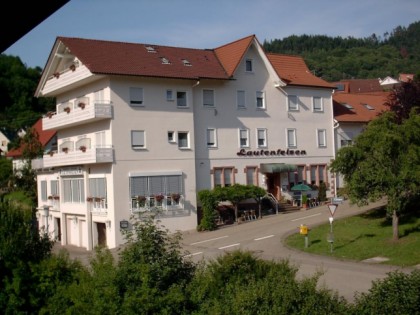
x=332, y=207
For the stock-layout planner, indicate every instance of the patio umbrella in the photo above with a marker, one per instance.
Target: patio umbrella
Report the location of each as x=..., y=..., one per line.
x=301, y=187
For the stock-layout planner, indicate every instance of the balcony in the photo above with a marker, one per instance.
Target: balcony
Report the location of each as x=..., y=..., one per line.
x=69, y=115
x=77, y=157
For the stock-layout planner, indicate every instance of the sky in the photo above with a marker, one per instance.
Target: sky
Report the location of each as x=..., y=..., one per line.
x=209, y=24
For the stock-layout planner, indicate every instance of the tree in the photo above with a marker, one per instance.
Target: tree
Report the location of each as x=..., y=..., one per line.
x=257, y=193
x=235, y=194
x=6, y=172
x=383, y=162
x=208, y=205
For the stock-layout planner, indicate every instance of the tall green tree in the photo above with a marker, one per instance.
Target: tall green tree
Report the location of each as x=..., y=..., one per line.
x=383, y=162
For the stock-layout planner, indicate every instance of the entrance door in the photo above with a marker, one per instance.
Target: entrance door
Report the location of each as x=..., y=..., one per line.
x=58, y=229
x=273, y=184
x=101, y=233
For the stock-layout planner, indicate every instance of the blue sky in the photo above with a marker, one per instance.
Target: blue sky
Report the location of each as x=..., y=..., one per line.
x=211, y=23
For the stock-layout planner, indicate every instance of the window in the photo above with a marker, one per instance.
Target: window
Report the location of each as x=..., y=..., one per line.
x=293, y=103
x=262, y=138
x=260, y=99
x=208, y=98
x=211, y=138
x=136, y=96
x=183, y=140
x=171, y=136
x=138, y=139
x=318, y=174
x=345, y=143
x=251, y=175
x=74, y=190
x=240, y=99
x=54, y=188
x=148, y=187
x=100, y=139
x=97, y=188
x=169, y=95
x=223, y=176
x=181, y=99
x=44, y=190
x=99, y=97
x=248, y=65
x=291, y=138
x=317, y=103
x=301, y=174
x=243, y=138
x=322, y=138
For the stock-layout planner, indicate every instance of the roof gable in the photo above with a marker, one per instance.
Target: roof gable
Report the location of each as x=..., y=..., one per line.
x=294, y=71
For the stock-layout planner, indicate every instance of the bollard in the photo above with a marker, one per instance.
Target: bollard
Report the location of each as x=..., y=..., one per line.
x=304, y=232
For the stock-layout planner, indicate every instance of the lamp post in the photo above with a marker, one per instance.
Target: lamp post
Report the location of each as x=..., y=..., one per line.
x=332, y=207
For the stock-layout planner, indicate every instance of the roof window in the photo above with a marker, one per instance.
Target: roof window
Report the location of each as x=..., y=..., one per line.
x=186, y=62
x=165, y=61
x=369, y=107
x=348, y=106
x=150, y=49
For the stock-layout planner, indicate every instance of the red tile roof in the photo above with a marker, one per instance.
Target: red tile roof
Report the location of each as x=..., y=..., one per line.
x=44, y=137
x=359, y=112
x=119, y=58
x=360, y=86
x=294, y=71
x=230, y=55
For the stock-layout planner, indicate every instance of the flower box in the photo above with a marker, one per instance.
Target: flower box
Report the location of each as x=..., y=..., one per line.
x=67, y=109
x=82, y=148
x=81, y=105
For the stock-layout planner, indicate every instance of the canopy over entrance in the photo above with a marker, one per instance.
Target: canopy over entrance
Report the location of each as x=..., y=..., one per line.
x=277, y=168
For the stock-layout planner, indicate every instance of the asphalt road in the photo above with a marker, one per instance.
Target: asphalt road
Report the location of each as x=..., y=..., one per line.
x=265, y=238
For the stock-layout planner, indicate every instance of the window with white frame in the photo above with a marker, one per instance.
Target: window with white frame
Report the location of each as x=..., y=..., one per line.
x=138, y=139
x=260, y=100
x=97, y=189
x=251, y=175
x=74, y=190
x=99, y=96
x=54, y=188
x=291, y=138
x=181, y=99
x=317, y=104
x=208, y=98
x=223, y=176
x=169, y=95
x=240, y=99
x=171, y=136
x=322, y=138
x=136, y=96
x=318, y=174
x=243, y=138
x=100, y=139
x=262, y=137
x=183, y=140
x=44, y=196
x=249, y=65
x=292, y=103
x=156, y=190
x=211, y=138
x=301, y=174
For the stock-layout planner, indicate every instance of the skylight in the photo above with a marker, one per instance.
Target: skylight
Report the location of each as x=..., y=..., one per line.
x=150, y=49
x=165, y=61
x=186, y=62
x=369, y=107
x=348, y=106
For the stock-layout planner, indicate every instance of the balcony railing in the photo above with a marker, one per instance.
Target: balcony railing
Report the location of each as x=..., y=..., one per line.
x=74, y=115
x=151, y=204
x=90, y=156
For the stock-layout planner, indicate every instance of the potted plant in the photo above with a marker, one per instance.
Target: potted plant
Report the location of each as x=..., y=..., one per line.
x=56, y=197
x=89, y=199
x=56, y=75
x=159, y=197
x=67, y=109
x=175, y=197
x=82, y=148
x=65, y=150
x=72, y=67
x=81, y=105
x=141, y=200
x=51, y=153
x=304, y=201
x=50, y=197
x=97, y=199
x=50, y=114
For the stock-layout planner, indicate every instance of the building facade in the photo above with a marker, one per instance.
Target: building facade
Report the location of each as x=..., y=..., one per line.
x=144, y=126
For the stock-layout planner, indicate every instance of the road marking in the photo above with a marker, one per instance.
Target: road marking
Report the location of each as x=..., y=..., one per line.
x=193, y=254
x=209, y=240
x=237, y=244
x=309, y=216
x=263, y=238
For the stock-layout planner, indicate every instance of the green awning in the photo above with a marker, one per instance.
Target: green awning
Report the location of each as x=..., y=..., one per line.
x=277, y=168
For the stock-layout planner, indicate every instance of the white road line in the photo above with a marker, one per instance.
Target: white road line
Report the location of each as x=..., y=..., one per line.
x=263, y=238
x=309, y=216
x=209, y=240
x=193, y=254
x=237, y=244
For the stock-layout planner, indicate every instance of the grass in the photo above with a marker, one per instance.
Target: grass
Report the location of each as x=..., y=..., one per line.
x=364, y=236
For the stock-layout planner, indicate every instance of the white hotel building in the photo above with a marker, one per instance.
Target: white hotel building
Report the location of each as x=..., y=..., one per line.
x=147, y=120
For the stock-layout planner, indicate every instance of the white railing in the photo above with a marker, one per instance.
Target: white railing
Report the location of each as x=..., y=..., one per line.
x=273, y=200
x=151, y=204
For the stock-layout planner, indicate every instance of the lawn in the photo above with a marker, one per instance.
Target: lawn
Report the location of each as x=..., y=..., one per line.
x=364, y=236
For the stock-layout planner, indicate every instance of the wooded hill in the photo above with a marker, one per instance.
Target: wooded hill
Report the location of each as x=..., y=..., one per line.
x=337, y=58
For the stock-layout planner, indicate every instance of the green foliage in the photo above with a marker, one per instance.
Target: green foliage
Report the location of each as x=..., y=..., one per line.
x=152, y=274
x=336, y=58
x=208, y=200
x=240, y=283
x=6, y=172
x=322, y=192
x=404, y=98
x=398, y=293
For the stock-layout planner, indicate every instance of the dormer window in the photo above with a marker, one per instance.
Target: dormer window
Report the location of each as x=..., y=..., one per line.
x=150, y=49
x=165, y=61
x=369, y=107
x=348, y=106
x=186, y=62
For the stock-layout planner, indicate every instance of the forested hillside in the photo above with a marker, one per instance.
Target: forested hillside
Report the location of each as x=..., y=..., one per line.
x=337, y=58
